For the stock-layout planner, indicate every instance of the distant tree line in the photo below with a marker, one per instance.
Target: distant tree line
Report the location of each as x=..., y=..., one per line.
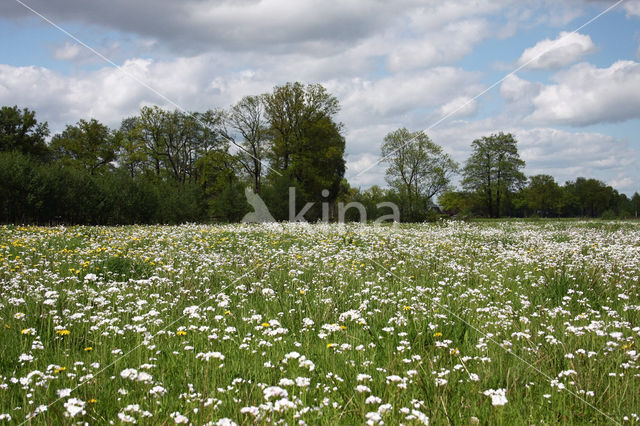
x=493, y=184
x=164, y=166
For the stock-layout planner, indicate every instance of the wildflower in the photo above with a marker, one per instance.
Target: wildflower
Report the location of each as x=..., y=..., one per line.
x=63, y=393
x=265, y=324
x=437, y=334
x=88, y=349
x=407, y=308
x=28, y=331
x=92, y=401
x=63, y=332
x=498, y=396
x=157, y=391
x=74, y=406
x=275, y=391
x=181, y=333
x=59, y=370
x=331, y=345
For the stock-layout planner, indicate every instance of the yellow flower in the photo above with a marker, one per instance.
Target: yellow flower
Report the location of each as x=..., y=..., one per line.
x=27, y=331
x=437, y=334
x=301, y=291
x=407, y=308
x=59, y=370
x=88, y=349
x=343, y=327
x=331, y=345
x=63, y=332
x=227, y=312
x=455, y=351
x=92, y=401
x=181, y=333
x=265, y=324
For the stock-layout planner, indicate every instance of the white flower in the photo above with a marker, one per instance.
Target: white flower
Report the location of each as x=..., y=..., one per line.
x=179, y=418
x=63, y=393
x=74, y=406
x=373, y=418
x=372, y=400
x=498, y=396
x=303, y=382
x=208, y=355
x=144, y=377
x=226, y=422
x=286, y=382
x=275, y=391
x=385, y=408
x=254, y=411
x=126, y=418
x=362, y=389
x=157, y=391
x=129, y=373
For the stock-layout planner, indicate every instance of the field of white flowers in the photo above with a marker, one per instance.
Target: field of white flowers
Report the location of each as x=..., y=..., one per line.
x=459, y=323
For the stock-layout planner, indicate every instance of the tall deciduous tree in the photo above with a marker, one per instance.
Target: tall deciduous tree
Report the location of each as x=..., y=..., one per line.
x=493, y=170
x=88, y=144
x=306, y=145
x=20, y=131
x=246, y=118
x=173, y=141
x=418, y=168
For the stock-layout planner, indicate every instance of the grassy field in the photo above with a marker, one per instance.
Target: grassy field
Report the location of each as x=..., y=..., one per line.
x=452, y=323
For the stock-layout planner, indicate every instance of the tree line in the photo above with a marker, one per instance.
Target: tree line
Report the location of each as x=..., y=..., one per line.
x=163, y=166
x=493, y=184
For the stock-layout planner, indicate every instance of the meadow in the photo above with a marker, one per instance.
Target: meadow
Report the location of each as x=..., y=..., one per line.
x=508, y=322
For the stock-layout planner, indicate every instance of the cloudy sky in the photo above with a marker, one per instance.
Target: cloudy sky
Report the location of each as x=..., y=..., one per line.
x=444, y=66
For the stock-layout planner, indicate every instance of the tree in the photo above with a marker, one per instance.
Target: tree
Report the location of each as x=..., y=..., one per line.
x=290, y=109
x=88, y=144
x=306, y=148
x=590, y=197
x=457, y=202
x=635, y=202
x=543, y=195
x=418, y=168
x=131, y=155
x=173, y=141
x=493, y=170
x=20, y=131
x=247, y=119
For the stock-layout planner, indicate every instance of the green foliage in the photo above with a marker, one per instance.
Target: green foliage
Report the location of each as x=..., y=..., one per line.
x=418, y=170
x=493, y=171
x=20, y=131
x=543, y=196
x=307, y=147
x=88, y=144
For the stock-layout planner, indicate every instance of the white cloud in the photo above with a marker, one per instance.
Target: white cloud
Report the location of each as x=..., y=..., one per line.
x=462, y=106
x=446, y=45
x=632, y=7
x=586, y=95
x=514, y=88
x=68, y=52
x=108, y=94
x=565, y=50
x=401, y=93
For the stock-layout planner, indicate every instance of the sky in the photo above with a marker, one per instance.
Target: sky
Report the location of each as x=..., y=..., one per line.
x=566, y=85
